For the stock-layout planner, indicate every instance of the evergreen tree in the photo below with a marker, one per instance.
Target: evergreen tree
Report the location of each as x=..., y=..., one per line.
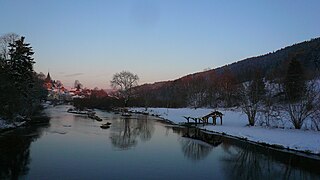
x=295, y=82
x=21, y=64
x=20, y=88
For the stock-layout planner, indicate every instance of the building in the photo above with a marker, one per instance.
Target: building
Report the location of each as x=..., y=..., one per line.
x=56, y=90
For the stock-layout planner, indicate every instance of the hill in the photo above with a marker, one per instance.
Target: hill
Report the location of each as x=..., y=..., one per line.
x=201, y=88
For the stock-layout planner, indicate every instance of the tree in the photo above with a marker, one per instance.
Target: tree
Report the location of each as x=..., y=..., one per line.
x=316, y=116
x=295, y=82
x=20, y=88
x=5, y=40
x=78, y=85
x=212, y=90
x=21, y=65
x=306, y=106
x=301, y=97
x=227, y=86
x=41, y=76
x=251, y=97
x=125, y=81
x=271, y=109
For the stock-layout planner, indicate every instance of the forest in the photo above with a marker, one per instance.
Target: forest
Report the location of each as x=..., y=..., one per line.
x=220, y=87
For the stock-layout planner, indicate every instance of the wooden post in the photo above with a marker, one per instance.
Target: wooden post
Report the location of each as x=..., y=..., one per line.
x=214, y=117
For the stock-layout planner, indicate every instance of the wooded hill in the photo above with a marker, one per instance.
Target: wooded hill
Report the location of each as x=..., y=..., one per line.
x=216, y=87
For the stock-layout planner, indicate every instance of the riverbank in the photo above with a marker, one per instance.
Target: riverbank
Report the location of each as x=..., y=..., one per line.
x=36, y=119
x=235, y=125
x=5, y=126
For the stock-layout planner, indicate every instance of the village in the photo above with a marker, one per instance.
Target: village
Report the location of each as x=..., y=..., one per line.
x=58, y=93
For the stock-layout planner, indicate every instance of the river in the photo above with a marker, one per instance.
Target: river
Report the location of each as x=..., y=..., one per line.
x=140, y=147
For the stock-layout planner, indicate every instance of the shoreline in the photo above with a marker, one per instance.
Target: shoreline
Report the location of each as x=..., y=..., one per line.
x=266, y=145
x=308, y=152
x=209, y=129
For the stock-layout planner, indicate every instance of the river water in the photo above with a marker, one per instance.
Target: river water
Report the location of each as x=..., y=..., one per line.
x=140, y=147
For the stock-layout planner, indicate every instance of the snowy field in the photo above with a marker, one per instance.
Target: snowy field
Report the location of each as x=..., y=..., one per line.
x=235, y=124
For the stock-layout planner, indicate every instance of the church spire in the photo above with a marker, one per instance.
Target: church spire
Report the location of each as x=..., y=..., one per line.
x=48, y=79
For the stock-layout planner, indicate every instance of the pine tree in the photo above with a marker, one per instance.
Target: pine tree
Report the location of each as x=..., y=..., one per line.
x=17, y=81
x=295, y=82
x=21, y=63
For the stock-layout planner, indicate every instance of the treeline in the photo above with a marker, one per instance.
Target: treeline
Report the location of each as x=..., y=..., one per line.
x=219, y=87
x=280, y=85
x=105, y=103
x=283, y=83
x=294, y=96
x=21, y=89
x=193, y=90
x=272, y=65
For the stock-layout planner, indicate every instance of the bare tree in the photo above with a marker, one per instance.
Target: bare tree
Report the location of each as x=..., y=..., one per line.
x=301, y=95
x=306, y=107
x=125, y=81
x=251, y=96
x=227, y=86
x=5, y=40
x=270, y=111
x=41, y=76
x=316, y=118
x=77, y=85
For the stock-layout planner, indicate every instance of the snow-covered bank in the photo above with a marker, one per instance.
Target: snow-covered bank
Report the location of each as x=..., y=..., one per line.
x=230, y=118
x=235, y=124
x=5, y=125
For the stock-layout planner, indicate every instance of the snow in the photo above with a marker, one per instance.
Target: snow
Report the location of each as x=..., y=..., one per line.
x=235, y=124
x=5, y=125
x=232, y=117
x=288, y=138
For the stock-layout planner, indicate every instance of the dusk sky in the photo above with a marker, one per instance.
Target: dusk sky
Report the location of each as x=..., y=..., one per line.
x=91, y=40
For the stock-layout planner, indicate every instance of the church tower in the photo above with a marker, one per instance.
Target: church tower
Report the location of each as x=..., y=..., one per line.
x=48, y=78
x=48, y=83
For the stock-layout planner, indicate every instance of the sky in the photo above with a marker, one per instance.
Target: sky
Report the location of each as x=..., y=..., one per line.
x=90, y=40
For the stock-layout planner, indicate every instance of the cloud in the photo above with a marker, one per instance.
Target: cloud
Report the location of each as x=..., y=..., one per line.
x=73, y=75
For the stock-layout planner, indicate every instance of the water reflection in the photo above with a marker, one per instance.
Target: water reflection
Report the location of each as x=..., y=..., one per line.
x=83, y=152
x=193, y=149
x=125, y=132
x=123, y=136
x=15, y=151
x=242, y=160
x=195, y=144
x=246, y=161
x=145, y=127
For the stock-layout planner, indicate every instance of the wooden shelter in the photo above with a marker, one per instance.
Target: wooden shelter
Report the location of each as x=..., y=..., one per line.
x=205, y=119
x=214, y=115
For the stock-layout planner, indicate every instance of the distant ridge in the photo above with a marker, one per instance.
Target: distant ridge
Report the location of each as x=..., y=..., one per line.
x=307, y=52
x=218, y=87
